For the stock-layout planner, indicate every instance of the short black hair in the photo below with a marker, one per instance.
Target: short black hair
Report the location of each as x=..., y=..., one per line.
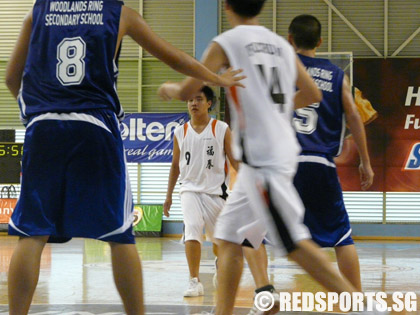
x=246, y=8
x=209, y=94
x=306, y=31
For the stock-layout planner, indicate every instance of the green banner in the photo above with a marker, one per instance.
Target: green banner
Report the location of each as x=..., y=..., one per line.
x=148, y=218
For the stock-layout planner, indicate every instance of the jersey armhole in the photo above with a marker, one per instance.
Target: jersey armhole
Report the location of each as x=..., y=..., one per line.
x=213, y=127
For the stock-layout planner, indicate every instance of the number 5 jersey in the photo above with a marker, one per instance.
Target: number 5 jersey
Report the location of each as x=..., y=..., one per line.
x=76, y=42
x=321, y=126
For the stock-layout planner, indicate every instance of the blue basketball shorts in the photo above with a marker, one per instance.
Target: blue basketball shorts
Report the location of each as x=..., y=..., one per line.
x=74, y=179
x=318, y=185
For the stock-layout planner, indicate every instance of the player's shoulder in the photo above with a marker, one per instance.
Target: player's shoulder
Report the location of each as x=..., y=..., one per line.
x=328, y=63
x=181, y=129
x=219, y=128
x=226, y=35
x=220, y=122
x=318, y=61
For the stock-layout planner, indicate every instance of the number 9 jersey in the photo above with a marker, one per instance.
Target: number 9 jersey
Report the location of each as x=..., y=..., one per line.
x=76, y=42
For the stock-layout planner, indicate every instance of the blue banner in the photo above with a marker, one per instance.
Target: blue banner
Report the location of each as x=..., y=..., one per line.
x=149, y=137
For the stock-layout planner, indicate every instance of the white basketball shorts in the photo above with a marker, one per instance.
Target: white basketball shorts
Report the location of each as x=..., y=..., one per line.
x=200, y=212
x=263, y=203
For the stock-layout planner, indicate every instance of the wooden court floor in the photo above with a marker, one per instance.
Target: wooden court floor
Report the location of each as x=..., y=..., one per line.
x=76, y=277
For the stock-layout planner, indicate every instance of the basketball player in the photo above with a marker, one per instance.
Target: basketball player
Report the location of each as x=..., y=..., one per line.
x=263, y=198
x=74, y=180
x=199, y=160
x=320, y=130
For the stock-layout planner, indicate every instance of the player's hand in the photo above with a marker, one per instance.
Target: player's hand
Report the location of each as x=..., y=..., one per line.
x=168, y=91
x=167, y=206
x=366, y=176
x=231, y=78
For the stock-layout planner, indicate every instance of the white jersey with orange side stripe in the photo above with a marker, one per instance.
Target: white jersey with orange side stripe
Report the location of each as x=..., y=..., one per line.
x=262, y=112
x=202, y=161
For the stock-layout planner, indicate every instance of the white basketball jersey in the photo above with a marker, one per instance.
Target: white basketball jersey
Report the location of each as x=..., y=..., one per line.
x=262, y=112
x=202, y=160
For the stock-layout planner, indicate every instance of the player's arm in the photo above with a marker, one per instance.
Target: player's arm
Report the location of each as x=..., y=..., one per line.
x=359, y=135
x=173, y=177
x=17, y=61
x=214, y=59
x=228, y=149
x=308, y=92
x=136, y=27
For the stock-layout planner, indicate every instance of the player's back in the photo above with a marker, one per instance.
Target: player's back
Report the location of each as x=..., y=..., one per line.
x=262, y=112
x=71, y=64
x=320, y=127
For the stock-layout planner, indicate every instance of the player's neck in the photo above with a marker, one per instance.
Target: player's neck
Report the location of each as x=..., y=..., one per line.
x=307, y=52
x=238, y=20
x=198, y=121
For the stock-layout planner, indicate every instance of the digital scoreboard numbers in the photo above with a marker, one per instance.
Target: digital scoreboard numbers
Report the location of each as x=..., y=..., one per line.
x=10, y=162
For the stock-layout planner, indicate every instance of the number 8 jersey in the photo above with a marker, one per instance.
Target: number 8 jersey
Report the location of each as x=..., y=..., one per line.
x=262, y=112
x=76, y=41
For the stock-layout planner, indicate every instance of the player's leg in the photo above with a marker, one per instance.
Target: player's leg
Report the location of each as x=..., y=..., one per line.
x=212, y=205
x=216, y=264
x=286, y=208
x=36, y=212
x=258, y=262
x=191, y=205
x=193, y=254
x=231, y=230
x=98, y=199
x=348, y=263
x=126, y=267
x=326, y=215
x=315, y=262
x=24, y=273
x=230, y=264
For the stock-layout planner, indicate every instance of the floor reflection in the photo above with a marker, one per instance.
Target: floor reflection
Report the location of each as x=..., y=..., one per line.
x=77, y=275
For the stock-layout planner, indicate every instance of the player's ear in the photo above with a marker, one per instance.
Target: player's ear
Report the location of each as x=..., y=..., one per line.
x=290, y=39
x=319, y=42
x=209, y=103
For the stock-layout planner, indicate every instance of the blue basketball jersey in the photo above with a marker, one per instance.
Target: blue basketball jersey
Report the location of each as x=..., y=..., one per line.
x=71, y=64
x=320, y=127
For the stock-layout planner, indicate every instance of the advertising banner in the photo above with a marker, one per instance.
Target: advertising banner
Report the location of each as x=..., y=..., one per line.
x=148, y=137
x=391, y=88
x=148, y=220
x=8, y=201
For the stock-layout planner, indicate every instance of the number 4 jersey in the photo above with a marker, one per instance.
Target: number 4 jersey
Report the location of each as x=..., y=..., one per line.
x=320, y=127
x=262, y=112
x=76, y=42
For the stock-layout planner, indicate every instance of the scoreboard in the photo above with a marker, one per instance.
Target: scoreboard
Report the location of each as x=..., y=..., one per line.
x=10, y=162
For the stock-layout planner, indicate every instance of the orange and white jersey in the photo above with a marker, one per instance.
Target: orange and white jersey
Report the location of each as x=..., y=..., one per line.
x=202, y=160
x=262, y=112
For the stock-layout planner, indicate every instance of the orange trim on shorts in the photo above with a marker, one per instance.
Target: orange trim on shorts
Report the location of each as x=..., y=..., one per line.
x=185, y=129
x=213, y=127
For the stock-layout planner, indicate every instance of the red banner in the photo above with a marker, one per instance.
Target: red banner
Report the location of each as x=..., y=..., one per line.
x=393, y=88
x=8, y=200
